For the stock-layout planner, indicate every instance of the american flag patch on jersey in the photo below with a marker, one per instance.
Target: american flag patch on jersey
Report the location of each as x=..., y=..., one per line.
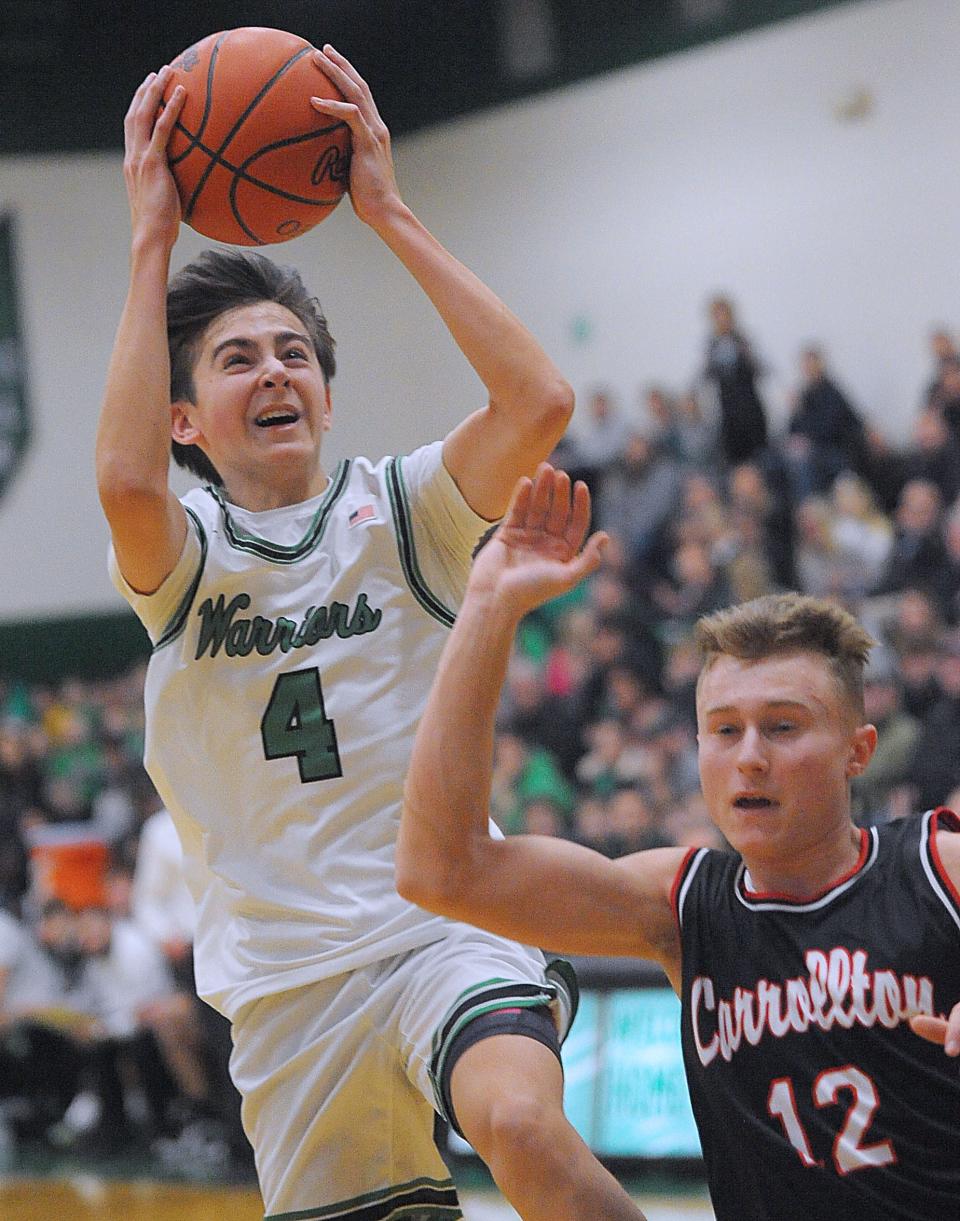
x=364, y=513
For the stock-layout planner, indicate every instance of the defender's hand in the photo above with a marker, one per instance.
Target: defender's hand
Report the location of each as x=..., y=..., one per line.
x=536, y=553
x=938, y=1030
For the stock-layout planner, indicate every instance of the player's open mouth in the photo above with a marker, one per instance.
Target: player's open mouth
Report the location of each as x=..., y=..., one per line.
x=275, y=419
x=753, y=803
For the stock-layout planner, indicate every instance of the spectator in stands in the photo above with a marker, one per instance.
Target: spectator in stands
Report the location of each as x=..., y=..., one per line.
x=933, y=455
x=918, y=676
x=530, y=714
x=591, y=826
x=44, y=1019
x=943, y=351
x=639, y=492
x=20, y=791
x=897, y=734
x=918, y=558
x=148, y=1032
x=671, y=745
x=160, y=903
x=948, y=400
x=543, y=816
x=687, y=824
x=951, y=538
x=862, y=536
x=695, y=435
x=633, y=821
x=935, y=767
x=522, y=773
x=590, y=452
x=825, y=435
x=752, y=489
x=816, y=556
x=694, y=586
x=916, y=623
x=733, y=372
x=611, y=761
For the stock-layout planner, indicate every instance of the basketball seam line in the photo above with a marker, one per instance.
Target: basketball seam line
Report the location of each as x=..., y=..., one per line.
x=216, y=158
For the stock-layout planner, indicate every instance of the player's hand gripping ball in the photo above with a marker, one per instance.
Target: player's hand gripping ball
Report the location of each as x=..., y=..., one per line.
x=254, y=163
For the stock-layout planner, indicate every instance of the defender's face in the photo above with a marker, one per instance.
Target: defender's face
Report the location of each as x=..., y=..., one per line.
x=779, y=744
x=262, y=405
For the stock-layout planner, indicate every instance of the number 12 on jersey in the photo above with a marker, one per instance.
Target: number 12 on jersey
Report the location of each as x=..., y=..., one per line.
x=295, y=725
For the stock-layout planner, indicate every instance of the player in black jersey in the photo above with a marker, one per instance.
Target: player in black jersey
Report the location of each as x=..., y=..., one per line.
x=807, y=961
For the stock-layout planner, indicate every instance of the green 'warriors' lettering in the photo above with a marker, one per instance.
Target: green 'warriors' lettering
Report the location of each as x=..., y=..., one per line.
x=222, y=626
x=295, y=724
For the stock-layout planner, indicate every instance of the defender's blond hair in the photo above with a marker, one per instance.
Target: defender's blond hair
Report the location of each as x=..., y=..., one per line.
x=790, y=623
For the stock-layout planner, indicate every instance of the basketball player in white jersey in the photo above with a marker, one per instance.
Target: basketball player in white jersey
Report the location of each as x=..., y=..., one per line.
x=807, y=962
x=297, y=615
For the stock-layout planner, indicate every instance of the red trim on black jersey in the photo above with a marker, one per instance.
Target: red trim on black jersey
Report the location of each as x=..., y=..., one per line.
x=678, y=879
x=768, y=896
x=953, y=821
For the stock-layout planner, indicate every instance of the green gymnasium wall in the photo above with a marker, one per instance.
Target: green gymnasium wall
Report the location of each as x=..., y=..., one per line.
x=44, y=651
x=69, y=70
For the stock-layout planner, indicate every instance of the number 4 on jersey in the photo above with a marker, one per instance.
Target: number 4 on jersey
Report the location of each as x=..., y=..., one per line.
x=295, y=724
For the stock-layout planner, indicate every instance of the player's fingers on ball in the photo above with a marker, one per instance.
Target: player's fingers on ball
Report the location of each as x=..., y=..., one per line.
x=168, y=116
x=332, y=66
x=346, y=68
x=136, y=102
x=349, y=81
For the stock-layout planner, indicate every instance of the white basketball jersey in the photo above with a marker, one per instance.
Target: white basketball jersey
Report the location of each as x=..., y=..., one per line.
x=293, y=653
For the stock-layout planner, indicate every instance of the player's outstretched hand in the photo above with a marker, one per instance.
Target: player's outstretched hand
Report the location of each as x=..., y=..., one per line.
x=151, y=190
x=940, y=1030
x=373, y=183
x=538, y=551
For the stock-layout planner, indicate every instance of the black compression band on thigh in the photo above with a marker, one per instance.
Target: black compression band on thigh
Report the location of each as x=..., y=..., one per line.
x=535, y=1022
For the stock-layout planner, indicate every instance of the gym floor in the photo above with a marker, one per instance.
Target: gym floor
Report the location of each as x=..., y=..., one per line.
x=89, y=1197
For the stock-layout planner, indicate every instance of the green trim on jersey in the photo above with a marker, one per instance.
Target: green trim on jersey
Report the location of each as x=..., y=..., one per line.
x=179, y=620
x=426, y=1198
x=243, y=540
x=408, y=553
x=473, y=1002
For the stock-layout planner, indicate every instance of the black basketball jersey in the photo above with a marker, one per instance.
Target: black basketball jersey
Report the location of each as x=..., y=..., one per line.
x=813, y=1097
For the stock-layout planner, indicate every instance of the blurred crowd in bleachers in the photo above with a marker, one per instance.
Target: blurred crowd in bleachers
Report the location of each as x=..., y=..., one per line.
x=102, y=1042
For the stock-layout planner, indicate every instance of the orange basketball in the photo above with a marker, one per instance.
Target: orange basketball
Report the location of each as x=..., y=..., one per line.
x=253, y=161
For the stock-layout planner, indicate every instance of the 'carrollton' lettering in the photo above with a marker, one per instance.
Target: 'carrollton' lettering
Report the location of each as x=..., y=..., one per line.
x=222, y=626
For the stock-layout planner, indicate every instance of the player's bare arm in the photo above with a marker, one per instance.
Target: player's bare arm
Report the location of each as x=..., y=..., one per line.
x=530, y=403
x=940, y=1030
x=147, y=522
x=539, y=890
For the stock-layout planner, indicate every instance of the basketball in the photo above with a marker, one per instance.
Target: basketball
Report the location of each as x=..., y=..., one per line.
x=254, y=163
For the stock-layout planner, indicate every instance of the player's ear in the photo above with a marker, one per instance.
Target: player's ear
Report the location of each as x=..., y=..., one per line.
x=182, y=428
x=862, y=746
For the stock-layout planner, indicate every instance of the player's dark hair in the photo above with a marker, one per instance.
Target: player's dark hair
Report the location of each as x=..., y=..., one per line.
x=218, y=281
x=790, y=623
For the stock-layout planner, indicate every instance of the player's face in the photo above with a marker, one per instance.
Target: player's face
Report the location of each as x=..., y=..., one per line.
x=779, y=744
x=261, y=404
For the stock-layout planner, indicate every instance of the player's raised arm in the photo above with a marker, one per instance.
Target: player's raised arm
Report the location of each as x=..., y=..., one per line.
x=146, y=520
x=539, y=890
x=530, y=403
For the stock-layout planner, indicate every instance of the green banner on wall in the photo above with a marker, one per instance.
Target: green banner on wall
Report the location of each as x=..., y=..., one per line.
x=14, y=407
